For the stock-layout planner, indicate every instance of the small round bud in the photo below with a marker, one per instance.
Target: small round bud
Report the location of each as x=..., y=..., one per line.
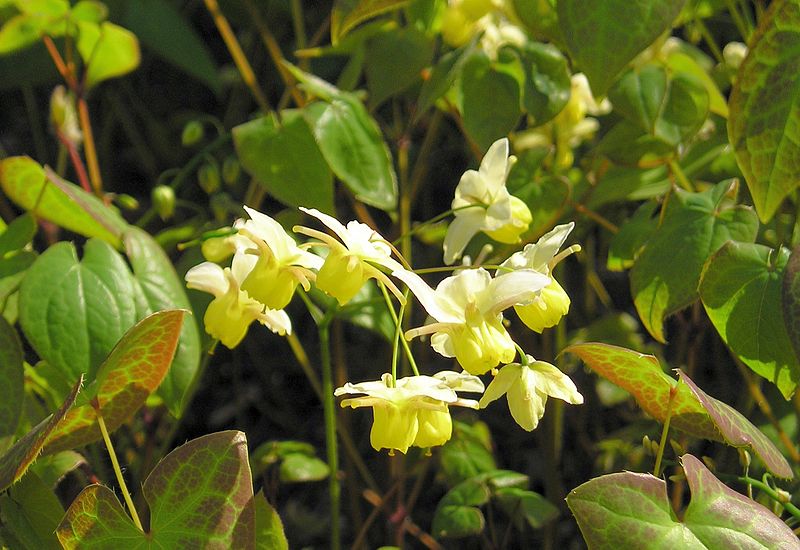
x=126, y=202
x=734, y=53
x=163, y=197
x=192, y=133
x=231, y=169
x=208, y=177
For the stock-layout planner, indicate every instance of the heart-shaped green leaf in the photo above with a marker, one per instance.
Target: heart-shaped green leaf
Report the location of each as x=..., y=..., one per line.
x=12, y=379
x=692, y=411
x=200, y=495
x=697, y=224
x=46, y=195
x=458, y=513
x=629, y=510
x=107, y=49
x=741, y=292
x=764, y=123
x=467, y=454
x=547, y=82
x=602, y=40
x=132, y=371
x=19, y=457
x=74, y=311
x=526, y=506
x=285, y=159
x=162, y=289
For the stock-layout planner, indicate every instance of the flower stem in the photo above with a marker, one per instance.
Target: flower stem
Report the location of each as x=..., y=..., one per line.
x=673, y=391
x=329, y=406
x=115, y=463
x=398, y=323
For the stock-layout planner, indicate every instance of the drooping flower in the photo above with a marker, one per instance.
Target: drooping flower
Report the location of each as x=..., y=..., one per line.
x=232, y=310
x=482, y=203
x=412, y=411
x=548, y=307
x=467, y=308
x=527, y=387
x=352, y=261
x=281, y=264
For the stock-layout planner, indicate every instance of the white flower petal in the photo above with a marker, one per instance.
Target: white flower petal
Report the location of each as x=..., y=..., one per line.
x=242, y=264
x=500, y=384
x=460, y=232
x=494, y=166
x=511, y=289
x=208, y=277
x=551, y=381
x=277, y=321
x=436, y=306
x=525, y=404
x=460, y=381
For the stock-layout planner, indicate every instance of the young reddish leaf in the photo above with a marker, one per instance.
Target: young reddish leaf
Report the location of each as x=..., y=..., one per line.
x=200, y=495
x=641, y=376
x=132, y=371
x=629, y=510
x=739, y=432
x=16, y=460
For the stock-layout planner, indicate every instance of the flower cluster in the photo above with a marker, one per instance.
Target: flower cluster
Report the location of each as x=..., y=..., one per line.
x=466, y=309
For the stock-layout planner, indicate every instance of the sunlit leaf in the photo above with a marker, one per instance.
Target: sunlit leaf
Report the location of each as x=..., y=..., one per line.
x=19, y=457
x=132, y=371
x=764, y=124
x=46, y=195
x=220, y=513
x=285, y=159
x=163, y=289
x=547, y=81
x=630, y=510
x=299, y=467
x=347, y=14
x=604, y=39
x=741, y=291
x=108, y=51
x=269, y=527
x=74, y=311
x=697, y=224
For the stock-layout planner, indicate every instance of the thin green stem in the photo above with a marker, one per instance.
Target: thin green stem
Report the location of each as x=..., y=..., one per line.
x=712, y=44
x=115, y=463
x=398, y=323
x=329, y=405
x=665, y=431
x=741, y=25
x=420, y=226
x=683, y=181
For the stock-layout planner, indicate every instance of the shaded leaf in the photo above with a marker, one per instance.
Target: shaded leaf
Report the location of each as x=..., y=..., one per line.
x=764, y=123
x=547, y=81
x=18, y=234
x=30, y=511
x=394, y=61
x=163, y=289
x=73, y=311
x=12, y=379
x=108, y=51
x=132, y=371
x=442, y=77
x=347, y=14
x=19, y=457
x=629, y=510
x=299, y=467
x=212, y=469
x=632, y=236
x=457, y=514
x=604, y=39
x=51, y=469
x=790, y=299
x=697, y=224
x=286, y=160
x=466, y=455
x=47, y=196
x=741, y=292
x=528, y=506
x=269, y=527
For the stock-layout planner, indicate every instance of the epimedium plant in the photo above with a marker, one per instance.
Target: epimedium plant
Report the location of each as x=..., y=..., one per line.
x=662, y=133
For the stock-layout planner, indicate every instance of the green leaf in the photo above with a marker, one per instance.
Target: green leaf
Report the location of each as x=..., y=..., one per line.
x=163, y=289
x=19, y=457
x=269, y=527
x=629, y=510
x=632, y=236
x=604, y=39
x=679, y=62
x=466, y=455
x=164, y=30
x=73, y=311
x=133, y=370
x=442, y=77
x=299, y=467
x=47, y=196
x=764, y=123
x=30, y=511
x=741, y=292
x=285, y=159
x=739, y=432
x=43, y=8
x=108, y=51
x=220, y=512
x=641, y=376
x=394, y=61
x=347, y=14
x=457, y=514
x=51, y=469
x=17, y=235
x=351, y=142
x=528, y=506
x=692, y=411
x=697, y=224
x=89, y=10
x=12, y=377
x=790, y=299
x=490, y=100
x=547, y=81
x=19, y=32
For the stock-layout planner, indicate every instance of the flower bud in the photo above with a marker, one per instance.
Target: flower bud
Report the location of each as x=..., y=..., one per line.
x=734, y=53
x=64, y=116
x=163, y=197
x=231, y=170
x=208, y=177
x=341, y=276
x=126, y=202
x=192, y=133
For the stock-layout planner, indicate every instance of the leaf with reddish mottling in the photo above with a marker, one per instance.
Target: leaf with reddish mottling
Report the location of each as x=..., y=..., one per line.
x=641, y=375
x=132, y=371
x=739, y=432
x=19, y=457
x=790, y=299
x=630, y=510
x=693, y=411
x=200, y=495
